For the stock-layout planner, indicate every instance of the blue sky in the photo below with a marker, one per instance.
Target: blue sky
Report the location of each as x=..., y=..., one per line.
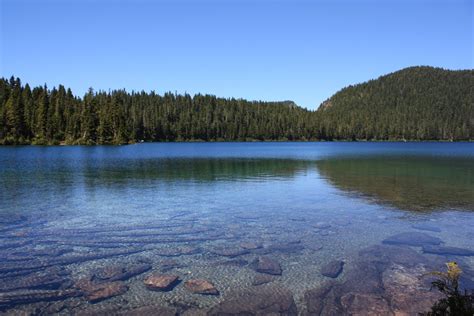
x=265, y=50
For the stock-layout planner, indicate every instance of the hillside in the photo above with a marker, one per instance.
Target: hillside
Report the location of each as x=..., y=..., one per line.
x=417, y=103
x=56, y=116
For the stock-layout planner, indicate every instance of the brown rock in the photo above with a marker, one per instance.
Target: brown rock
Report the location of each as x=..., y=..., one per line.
x=407, y=292
x=161, y=282
x=9, y=299
x=283, y=247
x=319, y=299
x=179, y=251
x=120, y=273
x=267, y=265
x=149, y=310
x=53, y=278
x=230, y=252
x=250, y=245
x=383, y=280
x=365, y=304
x=332, y=269
x=234, y=262
x=260, y=279
x=170, y=264
x=200, y=286
x=262, y=300
x=95, y=292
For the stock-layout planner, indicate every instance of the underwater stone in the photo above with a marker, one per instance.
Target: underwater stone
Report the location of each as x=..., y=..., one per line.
x=412, y=239
x=267, y=265
x=375, y=285
x=445, y=250
x=230, y=252
x=332, y=269
x=286, y=247
x=365, y=304
x=170, y=264
x=161, y=282
x=176, y=252
x=200, y=286
x=262, y=300
x=53, y=278
x=149, y=310
x=250, y=245
x=427, y=227
x=317, y=300
x=121, y=273
x=9, y=299
x=260, y=279
x=407, y=290
x=96, y=292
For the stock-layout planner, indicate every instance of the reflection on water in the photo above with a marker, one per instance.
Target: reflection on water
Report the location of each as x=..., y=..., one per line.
x=100, y=230
x=409, y=183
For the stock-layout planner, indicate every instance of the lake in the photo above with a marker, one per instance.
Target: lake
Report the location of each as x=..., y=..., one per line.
x=223, y=228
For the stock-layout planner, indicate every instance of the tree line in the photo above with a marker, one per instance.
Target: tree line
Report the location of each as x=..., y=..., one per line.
x=418, y=103
x=56, y=116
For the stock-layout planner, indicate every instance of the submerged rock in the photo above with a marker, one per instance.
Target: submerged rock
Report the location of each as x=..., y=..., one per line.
x=262, y=300
x=10, y=299
x=250, y=245
x=53, y=278
x=365, y=304
x=407, y=291
x=318, y=300
x=161, y=282
x=200, y=286
x=332, y=269
x=260, y=279
x=230, y=252
x=427, y=227
x=446, y=251
x=267, y=265
x=170, y=264
x=412, y=239
x=383, y=280
x=179, y=251
x=120, y=273
x=149, y=310
x=282, y=247
x=96, y=292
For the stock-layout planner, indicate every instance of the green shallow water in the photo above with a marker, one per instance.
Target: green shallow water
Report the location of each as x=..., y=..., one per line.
x=303, y=204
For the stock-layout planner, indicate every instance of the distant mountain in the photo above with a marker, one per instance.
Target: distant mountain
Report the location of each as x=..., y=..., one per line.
x=416, y=103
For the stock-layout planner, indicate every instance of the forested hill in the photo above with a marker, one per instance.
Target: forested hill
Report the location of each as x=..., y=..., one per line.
x=54, y=116
x=416, y=103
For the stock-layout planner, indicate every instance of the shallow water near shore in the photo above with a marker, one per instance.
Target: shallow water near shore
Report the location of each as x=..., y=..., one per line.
x=114, y=215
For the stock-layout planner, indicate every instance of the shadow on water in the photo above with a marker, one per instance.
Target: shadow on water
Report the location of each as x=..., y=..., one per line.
x=408, y=183
x=196, y=170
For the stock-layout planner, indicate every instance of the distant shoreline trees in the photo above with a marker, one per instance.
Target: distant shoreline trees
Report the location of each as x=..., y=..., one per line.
x=419, y=103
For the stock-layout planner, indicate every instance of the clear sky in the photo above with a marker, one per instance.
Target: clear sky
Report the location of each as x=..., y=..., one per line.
x=266, y=50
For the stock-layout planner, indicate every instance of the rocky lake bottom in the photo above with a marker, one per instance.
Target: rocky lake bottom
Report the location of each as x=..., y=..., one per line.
x=231, y=236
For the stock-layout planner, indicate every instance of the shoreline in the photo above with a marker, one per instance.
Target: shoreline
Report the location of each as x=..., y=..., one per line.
x=245, y=141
